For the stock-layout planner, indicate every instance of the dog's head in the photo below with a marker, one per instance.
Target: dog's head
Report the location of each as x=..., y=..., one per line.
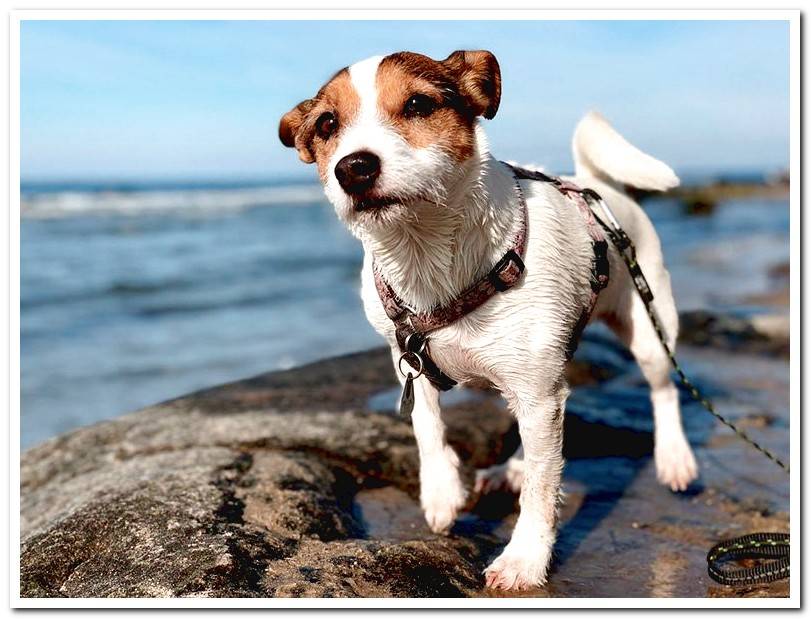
x=393, y=132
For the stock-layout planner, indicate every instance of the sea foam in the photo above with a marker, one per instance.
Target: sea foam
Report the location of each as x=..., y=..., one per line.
x=68, y=202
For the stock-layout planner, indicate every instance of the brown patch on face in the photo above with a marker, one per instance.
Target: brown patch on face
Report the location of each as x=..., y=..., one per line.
x=299, y=127
x=449, y=126
x=460, y=88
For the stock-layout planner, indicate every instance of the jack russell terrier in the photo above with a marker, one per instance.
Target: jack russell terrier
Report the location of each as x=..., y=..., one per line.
x=405, y=162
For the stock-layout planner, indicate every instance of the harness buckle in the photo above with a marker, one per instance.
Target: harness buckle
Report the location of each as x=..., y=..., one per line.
x=510, y=259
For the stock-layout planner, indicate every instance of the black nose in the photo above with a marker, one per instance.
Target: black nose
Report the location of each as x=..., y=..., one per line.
x=358, y=172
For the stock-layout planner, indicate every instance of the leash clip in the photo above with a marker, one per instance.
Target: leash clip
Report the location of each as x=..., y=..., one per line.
x=592, y=196
x=623, y=244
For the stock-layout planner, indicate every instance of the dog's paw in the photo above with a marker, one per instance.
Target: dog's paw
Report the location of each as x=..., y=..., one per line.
x=442, y=494
x=517, y=569
x=507, y=476
x=675, y=464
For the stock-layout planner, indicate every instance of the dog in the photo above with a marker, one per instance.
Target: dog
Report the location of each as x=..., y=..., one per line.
x=404, y=160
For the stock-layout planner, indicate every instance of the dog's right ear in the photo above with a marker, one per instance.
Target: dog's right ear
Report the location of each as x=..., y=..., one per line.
x=290, y=130
x=479, y=78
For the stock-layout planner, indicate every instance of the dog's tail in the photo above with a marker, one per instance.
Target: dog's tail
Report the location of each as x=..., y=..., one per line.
x=601, y=152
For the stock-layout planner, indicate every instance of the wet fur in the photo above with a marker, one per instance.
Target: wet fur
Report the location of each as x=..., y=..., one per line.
x=457, y=217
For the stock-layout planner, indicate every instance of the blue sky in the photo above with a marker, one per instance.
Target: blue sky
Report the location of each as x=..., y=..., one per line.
x=202, y=99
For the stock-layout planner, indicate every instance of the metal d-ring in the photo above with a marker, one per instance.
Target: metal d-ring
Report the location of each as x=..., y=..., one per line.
x=400, y=364
x=408, y=341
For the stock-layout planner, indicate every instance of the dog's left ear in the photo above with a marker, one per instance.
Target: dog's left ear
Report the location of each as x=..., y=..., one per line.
x=290, y=130
x=479, y=78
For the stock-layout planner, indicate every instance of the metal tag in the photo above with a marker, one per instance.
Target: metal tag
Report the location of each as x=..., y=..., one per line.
x=407, y=399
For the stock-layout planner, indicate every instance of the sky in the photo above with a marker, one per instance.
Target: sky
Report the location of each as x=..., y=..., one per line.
x=202, y=99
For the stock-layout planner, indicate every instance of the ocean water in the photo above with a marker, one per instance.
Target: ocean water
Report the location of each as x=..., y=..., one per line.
x=136, y=293
x=132, y=296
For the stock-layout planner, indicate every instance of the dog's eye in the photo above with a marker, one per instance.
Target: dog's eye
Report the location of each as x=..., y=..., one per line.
x=419, y=105
x=326, y=125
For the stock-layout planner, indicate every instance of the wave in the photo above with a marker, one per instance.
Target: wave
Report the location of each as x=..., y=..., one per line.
x=44, y=297
x=165, y=308
x=76, y=202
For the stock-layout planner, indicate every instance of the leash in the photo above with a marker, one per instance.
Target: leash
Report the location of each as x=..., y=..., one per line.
x=773, y=547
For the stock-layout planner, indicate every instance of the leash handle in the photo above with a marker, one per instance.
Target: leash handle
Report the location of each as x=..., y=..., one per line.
x=774, y=546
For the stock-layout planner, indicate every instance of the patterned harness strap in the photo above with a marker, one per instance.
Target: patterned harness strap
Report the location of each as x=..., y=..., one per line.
x=599, y=267
x=412, y=328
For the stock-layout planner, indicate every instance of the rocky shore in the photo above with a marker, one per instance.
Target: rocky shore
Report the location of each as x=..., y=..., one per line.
x=304, y=483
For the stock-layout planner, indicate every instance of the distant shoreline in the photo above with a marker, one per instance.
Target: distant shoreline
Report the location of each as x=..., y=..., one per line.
x=704, y=196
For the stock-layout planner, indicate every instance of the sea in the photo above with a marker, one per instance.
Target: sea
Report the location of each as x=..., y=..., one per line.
x=133, y=293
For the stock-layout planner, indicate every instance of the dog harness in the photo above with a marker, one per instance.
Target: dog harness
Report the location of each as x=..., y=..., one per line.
x=413, y=328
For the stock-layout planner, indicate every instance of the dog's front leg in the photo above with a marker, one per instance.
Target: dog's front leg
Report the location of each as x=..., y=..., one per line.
x=442, y=494
x=525, y=560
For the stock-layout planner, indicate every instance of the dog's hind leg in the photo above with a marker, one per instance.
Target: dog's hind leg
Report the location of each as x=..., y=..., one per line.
x=442, y=493
x=675, y=465
x=505, y=476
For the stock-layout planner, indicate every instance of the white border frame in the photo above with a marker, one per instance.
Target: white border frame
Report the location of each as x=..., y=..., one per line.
x=792, y=16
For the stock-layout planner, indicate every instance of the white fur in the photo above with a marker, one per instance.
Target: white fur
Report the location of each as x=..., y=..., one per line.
x=457, y=221
x=601, y=152
x=406, y=172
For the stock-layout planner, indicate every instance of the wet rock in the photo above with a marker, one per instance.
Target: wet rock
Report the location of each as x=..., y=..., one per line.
x=294, y=484
x=780, y=272
x=244, y=497
x=759, y=334
x=699, y=206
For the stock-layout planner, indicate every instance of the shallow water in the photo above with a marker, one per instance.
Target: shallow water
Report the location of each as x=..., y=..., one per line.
x=130, y=295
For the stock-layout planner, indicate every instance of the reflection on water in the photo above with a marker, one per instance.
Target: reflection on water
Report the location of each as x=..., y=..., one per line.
x=665, y=571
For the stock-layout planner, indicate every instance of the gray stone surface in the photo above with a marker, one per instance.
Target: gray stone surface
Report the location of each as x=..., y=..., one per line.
x=301, y=483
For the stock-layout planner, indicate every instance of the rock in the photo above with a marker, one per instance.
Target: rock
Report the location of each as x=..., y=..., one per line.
x=294, y=484
x=780, y=271
x=241, y=490
x=760, y=334
x=699, y=206
x=776, y=327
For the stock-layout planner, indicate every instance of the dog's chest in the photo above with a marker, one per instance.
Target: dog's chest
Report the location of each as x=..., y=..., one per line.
x=478, y=348
x=526, y=327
